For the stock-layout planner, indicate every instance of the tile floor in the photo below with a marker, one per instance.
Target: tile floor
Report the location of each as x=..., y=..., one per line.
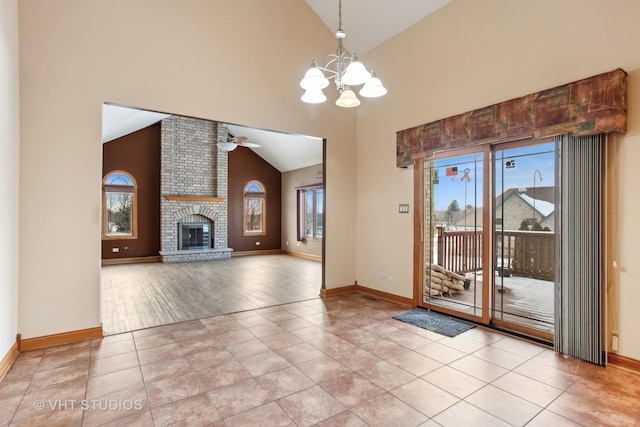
x=339, y=361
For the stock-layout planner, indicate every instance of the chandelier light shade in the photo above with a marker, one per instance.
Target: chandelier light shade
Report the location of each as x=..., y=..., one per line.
x=373, y=87
x=346, y=70
x=347, y=99
x=314, y=78
x=313, y=96
x=355, y=74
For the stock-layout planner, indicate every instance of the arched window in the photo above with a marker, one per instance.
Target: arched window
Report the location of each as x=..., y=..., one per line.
x=119, y=206
x=255, y=208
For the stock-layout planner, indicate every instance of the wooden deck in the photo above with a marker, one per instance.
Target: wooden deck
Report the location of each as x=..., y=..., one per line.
x=137, y=296
x=525, y=301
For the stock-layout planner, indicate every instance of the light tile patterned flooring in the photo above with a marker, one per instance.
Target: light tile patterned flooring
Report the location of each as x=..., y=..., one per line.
x=338, y=361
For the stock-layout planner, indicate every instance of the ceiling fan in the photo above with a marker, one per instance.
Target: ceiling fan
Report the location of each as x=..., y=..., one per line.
x=234, y=142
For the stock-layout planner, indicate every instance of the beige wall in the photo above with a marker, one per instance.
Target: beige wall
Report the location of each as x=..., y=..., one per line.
x=291, y=180
x=473, y=54
x=232, y=61
x=9, y=162
x=189, y=58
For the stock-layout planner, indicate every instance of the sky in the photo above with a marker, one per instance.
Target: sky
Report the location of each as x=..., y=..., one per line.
x=518, y=166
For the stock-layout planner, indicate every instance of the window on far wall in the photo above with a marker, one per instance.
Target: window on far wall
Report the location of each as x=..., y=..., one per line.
x=310, y=213
x=119, y=206
x=255, y=208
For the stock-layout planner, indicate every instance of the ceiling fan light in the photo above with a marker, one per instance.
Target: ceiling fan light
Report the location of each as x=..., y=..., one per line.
x=250, y=145
x=373, y=88
x=313, y=96
x=227, y=146
x=348, y=99
x=314, y=78
x=355, y=74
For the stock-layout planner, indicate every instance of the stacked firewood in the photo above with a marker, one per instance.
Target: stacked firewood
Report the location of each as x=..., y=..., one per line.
x=441, y=281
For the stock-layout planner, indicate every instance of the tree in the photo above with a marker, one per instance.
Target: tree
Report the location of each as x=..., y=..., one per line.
x=121, y=212
x=253, y=214
x=451, y=211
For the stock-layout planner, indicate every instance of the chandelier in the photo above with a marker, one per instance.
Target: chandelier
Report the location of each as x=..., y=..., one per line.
x=346, y=70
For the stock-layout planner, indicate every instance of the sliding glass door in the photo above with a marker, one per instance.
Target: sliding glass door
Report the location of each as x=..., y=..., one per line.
x=524, y=230
x=453, y=234
x=488, y=236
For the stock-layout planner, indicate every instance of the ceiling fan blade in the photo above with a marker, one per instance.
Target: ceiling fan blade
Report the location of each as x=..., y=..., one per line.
x=238, y=139
x=249, y=144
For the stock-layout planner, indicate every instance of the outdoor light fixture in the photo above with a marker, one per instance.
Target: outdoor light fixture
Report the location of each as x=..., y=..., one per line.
x=534, y=192
x=347, y=71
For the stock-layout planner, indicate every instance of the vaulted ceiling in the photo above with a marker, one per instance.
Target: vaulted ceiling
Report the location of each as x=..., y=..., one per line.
x=367, y=24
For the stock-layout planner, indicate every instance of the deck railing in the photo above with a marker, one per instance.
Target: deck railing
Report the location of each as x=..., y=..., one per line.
x=460, y=251
x=524, y=253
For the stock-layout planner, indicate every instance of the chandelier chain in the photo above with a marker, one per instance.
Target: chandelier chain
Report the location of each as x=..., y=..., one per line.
x=340, y=15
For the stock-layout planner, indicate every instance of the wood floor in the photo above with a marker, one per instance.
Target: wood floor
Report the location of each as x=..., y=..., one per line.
x=138, y=296
x=525, y=301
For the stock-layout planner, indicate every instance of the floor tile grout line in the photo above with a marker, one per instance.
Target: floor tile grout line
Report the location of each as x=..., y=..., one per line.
x=146, y=390
x=272, y=400
x=201, y=384
x=252, y=377
x=317, y=384
x=329, y=329
x=546, y=408
x=24, y=393
x=543, y=408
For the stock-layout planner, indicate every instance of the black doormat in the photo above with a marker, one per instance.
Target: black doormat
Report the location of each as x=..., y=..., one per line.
x=435, y=322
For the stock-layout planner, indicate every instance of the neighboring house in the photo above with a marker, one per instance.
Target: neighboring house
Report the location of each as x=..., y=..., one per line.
x=467, y=219
x=512, y=207
x=518, y=204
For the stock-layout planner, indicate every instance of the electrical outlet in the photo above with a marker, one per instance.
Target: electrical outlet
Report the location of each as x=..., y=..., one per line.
x=286, y=243
x=384, y=276
x=614, y=343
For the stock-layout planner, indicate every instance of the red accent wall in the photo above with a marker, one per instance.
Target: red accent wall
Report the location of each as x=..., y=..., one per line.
x=244, y=166
x=138, y=154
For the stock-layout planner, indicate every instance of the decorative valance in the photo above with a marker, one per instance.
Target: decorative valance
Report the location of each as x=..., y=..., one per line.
x=590, y=106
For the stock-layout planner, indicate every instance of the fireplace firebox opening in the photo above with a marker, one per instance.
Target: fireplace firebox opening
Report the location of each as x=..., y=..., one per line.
x=193, y=236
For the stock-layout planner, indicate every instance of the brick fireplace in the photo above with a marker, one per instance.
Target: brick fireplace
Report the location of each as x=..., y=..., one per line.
x=193, y=187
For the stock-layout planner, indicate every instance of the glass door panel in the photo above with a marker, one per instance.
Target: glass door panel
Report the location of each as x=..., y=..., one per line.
x=453, y=238
x=524, y=237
